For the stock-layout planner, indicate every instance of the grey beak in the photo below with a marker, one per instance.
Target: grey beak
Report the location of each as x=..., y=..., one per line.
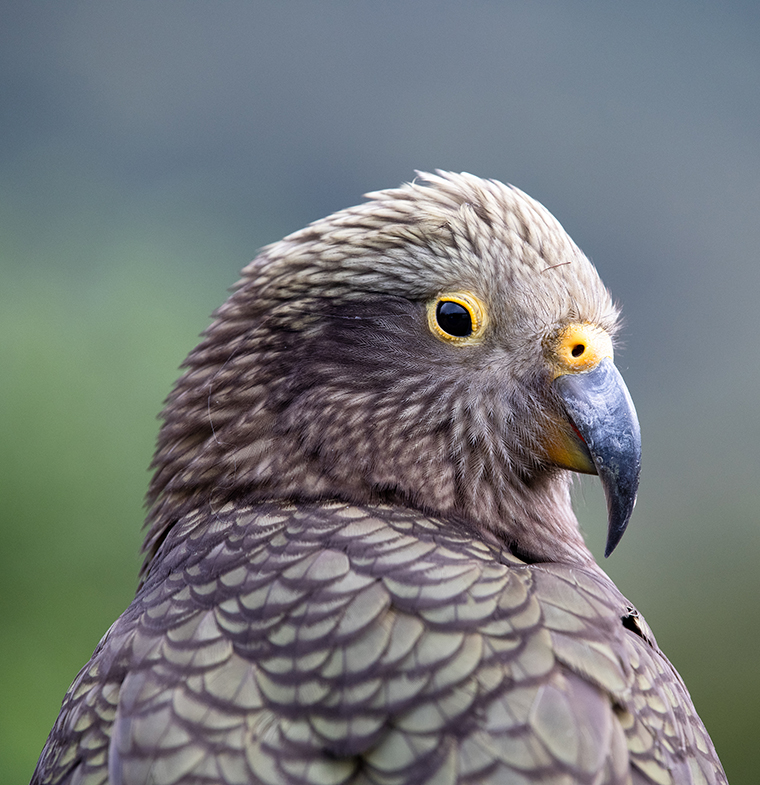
x=600, y=407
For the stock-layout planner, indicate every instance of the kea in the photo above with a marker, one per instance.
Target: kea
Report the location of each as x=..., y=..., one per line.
x=362, y=563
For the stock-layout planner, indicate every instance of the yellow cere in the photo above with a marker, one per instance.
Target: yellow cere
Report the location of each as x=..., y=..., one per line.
x=577, y=348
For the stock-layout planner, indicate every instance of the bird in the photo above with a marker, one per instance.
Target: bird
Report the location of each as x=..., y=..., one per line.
x=362, y=564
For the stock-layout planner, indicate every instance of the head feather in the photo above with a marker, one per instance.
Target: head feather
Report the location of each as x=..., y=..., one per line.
x=319, y=378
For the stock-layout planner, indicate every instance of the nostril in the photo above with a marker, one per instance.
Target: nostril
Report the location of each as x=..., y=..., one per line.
x=578, y=350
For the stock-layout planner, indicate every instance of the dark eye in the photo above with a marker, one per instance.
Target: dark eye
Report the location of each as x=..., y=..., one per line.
x=457, y=318
x=453, y=318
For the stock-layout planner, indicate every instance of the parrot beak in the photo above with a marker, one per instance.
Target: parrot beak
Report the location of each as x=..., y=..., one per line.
x=602, y=414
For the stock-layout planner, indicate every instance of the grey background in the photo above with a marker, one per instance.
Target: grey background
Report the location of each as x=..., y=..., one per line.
x=149, y=148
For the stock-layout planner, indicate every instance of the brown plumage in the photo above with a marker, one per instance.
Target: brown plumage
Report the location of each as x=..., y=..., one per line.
x=362, y=562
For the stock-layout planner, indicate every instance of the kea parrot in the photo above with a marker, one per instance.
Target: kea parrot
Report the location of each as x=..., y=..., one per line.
x=362, y=566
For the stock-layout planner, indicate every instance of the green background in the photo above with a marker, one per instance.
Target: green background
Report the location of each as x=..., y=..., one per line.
x=148, y=149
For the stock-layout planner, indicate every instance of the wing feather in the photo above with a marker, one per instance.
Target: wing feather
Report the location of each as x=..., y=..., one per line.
x=335, y=644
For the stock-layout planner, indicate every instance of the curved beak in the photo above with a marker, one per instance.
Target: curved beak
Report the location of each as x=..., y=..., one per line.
x=602, y=414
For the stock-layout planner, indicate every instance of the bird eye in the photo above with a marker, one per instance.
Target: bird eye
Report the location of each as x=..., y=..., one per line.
x=453, y=318
x=456, y=318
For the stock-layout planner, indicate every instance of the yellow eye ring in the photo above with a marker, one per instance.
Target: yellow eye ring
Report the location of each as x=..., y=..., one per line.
x=458, y=318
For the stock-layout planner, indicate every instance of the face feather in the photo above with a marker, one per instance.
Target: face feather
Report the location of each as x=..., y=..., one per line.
x=321, y=377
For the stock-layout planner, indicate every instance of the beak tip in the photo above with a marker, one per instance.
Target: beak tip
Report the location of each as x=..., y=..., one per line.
x=614, y=535
x=621, y=499
x=613, y=538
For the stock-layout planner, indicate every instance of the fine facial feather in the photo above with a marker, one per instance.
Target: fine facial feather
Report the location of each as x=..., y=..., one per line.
x=320, y=372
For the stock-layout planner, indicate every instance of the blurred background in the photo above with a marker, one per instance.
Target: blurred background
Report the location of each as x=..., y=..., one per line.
x=148, y=149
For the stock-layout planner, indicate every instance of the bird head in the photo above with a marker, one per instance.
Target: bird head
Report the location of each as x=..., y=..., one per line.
x=444, y=346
